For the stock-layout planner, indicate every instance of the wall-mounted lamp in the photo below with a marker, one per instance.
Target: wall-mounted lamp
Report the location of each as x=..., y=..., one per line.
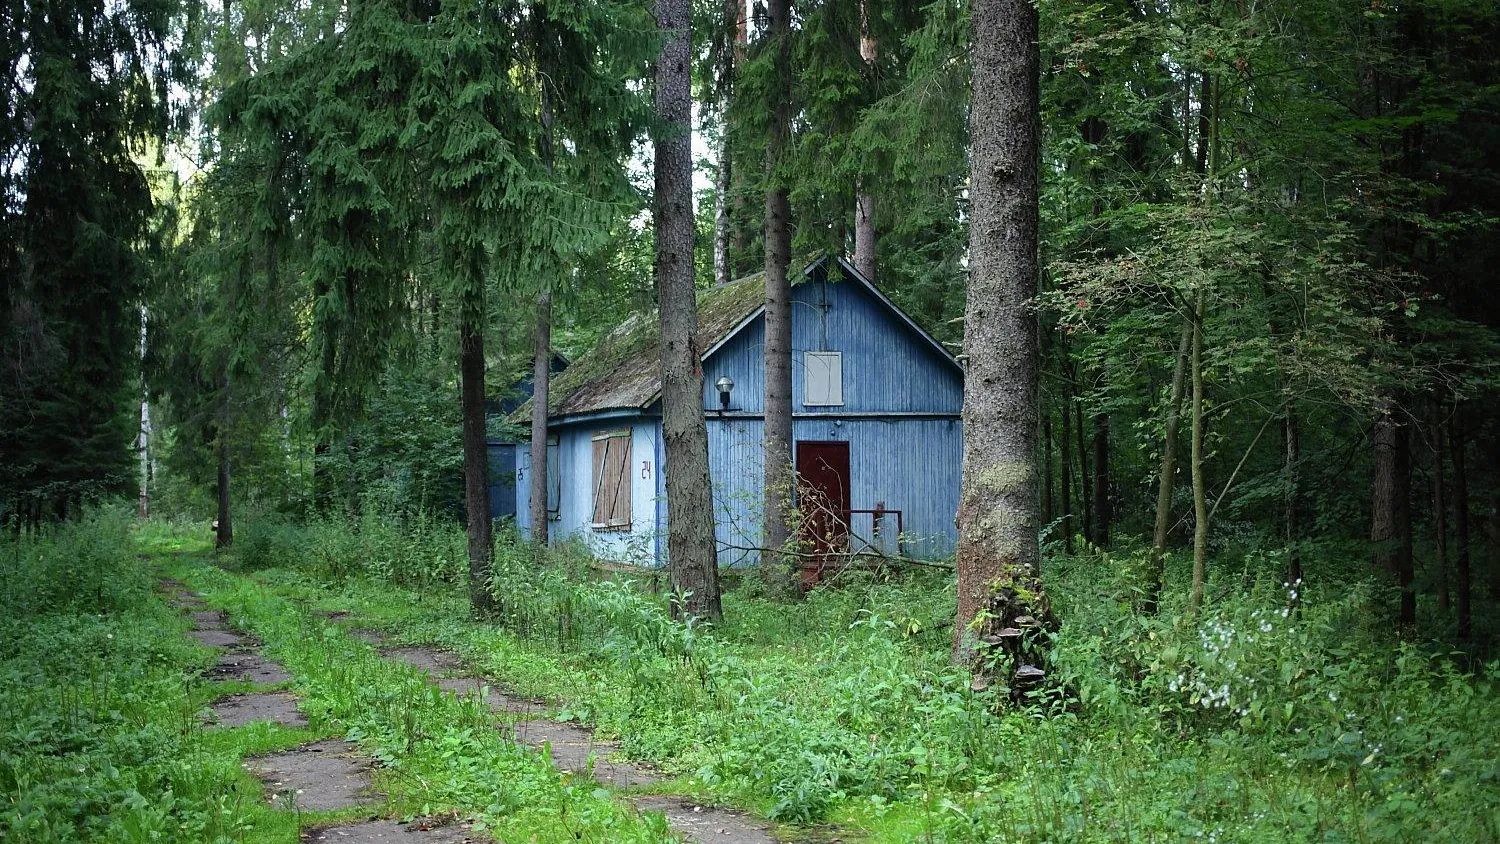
x=725, y=386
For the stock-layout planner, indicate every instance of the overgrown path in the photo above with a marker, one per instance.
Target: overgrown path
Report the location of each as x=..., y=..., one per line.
x=375, y=734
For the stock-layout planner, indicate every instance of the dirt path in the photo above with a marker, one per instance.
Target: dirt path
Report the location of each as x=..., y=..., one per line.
x=574, y=749
x=333, y=774
x=326, y=775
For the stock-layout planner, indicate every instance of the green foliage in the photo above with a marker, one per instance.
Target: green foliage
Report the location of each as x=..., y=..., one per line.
x=438, y=753
x=1250, y=724
x=94, y=700
x=84, y=97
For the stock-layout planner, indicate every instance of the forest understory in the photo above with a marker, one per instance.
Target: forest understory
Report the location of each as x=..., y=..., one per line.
x=1283, y=717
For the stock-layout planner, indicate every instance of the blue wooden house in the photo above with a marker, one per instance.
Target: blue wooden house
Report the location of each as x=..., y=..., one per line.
x=876, y=406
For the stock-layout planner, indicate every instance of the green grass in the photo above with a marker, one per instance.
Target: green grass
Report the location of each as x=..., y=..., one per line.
x=100, y=730
x=102, y=737
x=1255, y=722
x=1245, y=725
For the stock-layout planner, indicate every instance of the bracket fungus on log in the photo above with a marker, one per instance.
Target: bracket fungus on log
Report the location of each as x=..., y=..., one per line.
x=1028, y=675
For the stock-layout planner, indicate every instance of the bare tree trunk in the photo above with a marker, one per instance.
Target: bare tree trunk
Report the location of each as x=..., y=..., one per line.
x=1047, y=506
x=1390, y=523
x=1440, y=510
x=778, y=570
x=224, y=536
x=694, y=568
x=1200, y=489
x=999, y=581
x=1403, y=560
x=1292, y=520
x=1167, y=475
x=1069, y=524
x=1085, y=479
x=721, y=216
x=864, y=201
x=476, y=455
x=1100, y=508
x=1383, y=489
x=541, y=383
x=225, y=531
x=1456, y=443
x=1494, y=517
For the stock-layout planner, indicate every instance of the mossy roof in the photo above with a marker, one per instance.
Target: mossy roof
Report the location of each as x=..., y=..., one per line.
x=623, y=370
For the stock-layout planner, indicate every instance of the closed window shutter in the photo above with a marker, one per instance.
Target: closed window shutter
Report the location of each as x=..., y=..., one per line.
x=601, y=508
x=554, y=478
x=612, y=480
x=619, y=472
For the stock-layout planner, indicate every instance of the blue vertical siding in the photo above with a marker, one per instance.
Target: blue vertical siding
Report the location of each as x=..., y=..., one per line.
x=900, y=416
x=502, y=479
x=888, y=367
x=575, y=457
x=911, y=465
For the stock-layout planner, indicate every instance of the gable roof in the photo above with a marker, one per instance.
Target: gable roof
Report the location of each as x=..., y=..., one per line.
x=623, y=370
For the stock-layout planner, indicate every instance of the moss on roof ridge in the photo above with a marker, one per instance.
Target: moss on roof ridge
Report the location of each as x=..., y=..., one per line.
x=627, y=356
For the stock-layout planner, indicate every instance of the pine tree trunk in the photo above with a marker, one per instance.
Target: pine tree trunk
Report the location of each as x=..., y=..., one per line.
x=1494, y=517
x=779, y=570
x=1456, y=445
x=1383, y=489
x=224, y=536
x=1048, y=510
x=1403, y=558
x=1292, y=516
x=476, y=455
x=1200, y=488
x=1100, y=508
x=1069, y=524
x=1166, y=478
x=864, y=201
x=690, y=533
x=1085, y=478
x=541, y=383
x=999, y=581
x=1440, y=511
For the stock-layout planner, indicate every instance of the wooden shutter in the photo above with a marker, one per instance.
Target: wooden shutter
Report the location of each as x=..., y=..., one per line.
x=823, y=379
x=612, y=480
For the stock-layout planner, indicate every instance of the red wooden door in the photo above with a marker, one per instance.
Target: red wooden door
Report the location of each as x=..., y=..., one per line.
x=823, y=501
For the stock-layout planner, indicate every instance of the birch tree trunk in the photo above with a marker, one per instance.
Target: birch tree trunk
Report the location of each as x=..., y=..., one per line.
x=690, y=534
x=779, y=570
x=999, y=580
x=721, y=217
x=143, y=438
x=541, y=378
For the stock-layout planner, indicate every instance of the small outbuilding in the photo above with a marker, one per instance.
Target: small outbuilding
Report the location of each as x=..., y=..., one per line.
x=876, y=406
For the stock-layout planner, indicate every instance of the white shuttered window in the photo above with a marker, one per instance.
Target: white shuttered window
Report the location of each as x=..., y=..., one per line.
x=822, y=379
